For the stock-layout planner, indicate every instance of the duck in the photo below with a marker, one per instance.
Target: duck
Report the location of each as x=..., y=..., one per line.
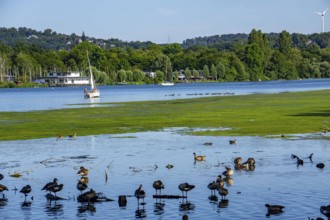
x=320, y=165
x=56, y=188
x=232, y=141
x=1, y=176
x=325, y=210
x=250, y=161
x=199, y=158
x=81, y=186
x=50, y=185
x=274, y=209
x=140, y=193
x=169, y=166
x=89, y=195
x=228, y=172
x=158, y=185
x=83, y=171
x=213, y=186
x=238, y=160
x=299, y=161
x=223, y=192
x=220, y=181
x=59, y=136
x=3, y=188
x=185, y=187
x=73, y=136
x=26, y=190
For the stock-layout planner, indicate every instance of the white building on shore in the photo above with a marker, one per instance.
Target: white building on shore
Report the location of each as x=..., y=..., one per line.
x=64, y=79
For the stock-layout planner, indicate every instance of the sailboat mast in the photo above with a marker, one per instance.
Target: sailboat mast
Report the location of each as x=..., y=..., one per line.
x=90, y=72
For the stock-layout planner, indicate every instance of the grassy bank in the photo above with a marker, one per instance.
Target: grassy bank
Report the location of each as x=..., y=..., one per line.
x=259, y=114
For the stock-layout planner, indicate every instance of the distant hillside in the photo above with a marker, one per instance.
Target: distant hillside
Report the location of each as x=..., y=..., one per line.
x=50, y=40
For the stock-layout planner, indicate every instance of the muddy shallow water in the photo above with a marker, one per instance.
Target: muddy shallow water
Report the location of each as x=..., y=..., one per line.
x=133, y=159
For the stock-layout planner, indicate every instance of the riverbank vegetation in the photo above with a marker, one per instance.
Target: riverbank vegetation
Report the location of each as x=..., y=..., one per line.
x=251, y=115
x=26, y=55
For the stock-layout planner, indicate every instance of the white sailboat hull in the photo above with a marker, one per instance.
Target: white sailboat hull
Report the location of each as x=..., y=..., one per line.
x=92, y=94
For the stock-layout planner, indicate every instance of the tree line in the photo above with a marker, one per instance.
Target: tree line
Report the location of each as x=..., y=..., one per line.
x=254, y=57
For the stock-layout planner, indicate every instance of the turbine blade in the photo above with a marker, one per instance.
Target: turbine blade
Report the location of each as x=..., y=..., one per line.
x=325, y=11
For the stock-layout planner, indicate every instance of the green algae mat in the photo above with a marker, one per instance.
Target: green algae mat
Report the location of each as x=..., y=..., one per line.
x=248, y=115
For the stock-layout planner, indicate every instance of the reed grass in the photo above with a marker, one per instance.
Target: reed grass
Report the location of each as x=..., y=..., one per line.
x=248, y=115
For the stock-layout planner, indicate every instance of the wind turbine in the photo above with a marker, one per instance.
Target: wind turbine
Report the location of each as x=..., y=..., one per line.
x=322, y=14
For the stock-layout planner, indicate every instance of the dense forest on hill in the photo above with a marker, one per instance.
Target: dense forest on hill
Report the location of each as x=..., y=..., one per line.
x=26, y=55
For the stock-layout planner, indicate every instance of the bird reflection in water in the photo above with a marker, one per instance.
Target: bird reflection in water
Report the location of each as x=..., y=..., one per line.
x=159, y=207
x=86, y=208
x=186, y=206
x=54, y=208
x=223, y=203
x=140, y=212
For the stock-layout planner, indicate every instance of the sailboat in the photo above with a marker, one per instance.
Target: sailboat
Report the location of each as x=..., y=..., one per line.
x=93, y=92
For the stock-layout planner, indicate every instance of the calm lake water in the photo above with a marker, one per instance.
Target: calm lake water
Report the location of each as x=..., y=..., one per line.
x=28, y=99
x=141, y=158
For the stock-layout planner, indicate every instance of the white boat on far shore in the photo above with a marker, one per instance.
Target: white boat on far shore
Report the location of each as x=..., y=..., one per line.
x=167, y=84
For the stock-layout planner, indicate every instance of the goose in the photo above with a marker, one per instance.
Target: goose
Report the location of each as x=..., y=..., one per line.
x=140, y=193
x=199, y=158
x=83, y=171
x=26, y=190
x=185, y=187
x=223, y=192
x=81, y=186
x=228, y=172
x=325, y=210
x=158, y=185
x=49, y=185
x=274, y=209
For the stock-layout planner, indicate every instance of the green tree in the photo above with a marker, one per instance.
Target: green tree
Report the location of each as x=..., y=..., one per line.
x=206, y=71
x=122, y=75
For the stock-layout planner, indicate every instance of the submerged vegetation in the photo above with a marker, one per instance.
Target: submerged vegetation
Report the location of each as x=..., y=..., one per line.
x=258, y=114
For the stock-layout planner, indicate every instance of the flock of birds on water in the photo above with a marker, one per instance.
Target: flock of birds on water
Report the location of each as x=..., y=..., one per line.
x=216, y=186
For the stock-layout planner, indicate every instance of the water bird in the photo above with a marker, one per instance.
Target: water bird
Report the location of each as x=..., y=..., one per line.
x=213, y=186
x=169, y=166
x=83, y=171
x=199, y=158
x=274, y=209
x=293, y=156
x=158, y=185
x=59, y=136
x=299, y=161
x=223, y=192
x=73, y=136
x=89, y=195
x=26, y=190
x=325, y=210
x=140, y=193
x=232, y=141
x=238, y=160
x=3, y=188
x=208, y=143
x=56, y=188
x=50, y=185
x=320, y=165
x=220, y=181
x=185, y=187
x=228, y=172
x=250, y=161
x=81, y=186
x=1, y=176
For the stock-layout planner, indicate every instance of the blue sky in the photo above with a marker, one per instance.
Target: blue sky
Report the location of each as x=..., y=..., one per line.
x=164, y=21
